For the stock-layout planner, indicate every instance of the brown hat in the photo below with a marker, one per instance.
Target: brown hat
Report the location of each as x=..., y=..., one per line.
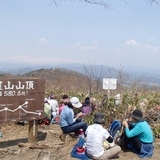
x=99, y=118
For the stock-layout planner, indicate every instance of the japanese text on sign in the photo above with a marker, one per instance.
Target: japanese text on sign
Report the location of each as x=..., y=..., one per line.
x=21, y=99
x=15, y=89
x=109, y=83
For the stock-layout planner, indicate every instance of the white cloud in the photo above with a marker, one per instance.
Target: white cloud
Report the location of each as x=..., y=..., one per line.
x=42, y=40
x=134, y=43
x=91, y=47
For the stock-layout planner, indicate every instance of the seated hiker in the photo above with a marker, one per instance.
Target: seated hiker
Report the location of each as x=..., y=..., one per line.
x=138, y=136
x=86, y=108
x=54, y=107
x=61, y=105
x=65, y=98
x=63, y=102
x=68, y=122
x=47, y=109
x=96, y=135
x=93, y=103
x=47, y=114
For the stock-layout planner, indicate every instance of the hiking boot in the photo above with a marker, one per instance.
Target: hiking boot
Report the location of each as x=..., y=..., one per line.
x=118, y=141
x=63, y=137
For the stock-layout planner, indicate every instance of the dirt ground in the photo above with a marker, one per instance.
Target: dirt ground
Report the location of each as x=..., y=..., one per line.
x=14, y=145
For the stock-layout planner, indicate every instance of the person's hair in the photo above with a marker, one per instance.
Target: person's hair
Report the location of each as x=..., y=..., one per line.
x=136, y=120
x=69, y=104
x=87, y=98
x=65, y=96
x=51, y=97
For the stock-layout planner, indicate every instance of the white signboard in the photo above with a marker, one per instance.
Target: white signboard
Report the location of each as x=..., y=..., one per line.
x=109, y=83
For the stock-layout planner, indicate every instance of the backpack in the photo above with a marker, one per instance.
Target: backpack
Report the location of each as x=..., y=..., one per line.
x=86, y=109
x=115, y=128
x=44, y=121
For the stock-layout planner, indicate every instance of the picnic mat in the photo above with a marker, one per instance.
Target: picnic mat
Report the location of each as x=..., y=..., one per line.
x=74, y=153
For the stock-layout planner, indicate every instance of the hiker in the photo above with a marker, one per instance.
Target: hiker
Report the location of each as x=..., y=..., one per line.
x=54, y=106
x=65, y=98
x=70, y=123
x=86, y=108
x=47, y=113
x=93, y=103
x=63, y=102
x=96, y=135
x=61, y=105
x=138, y=136
x=118, y=100
x=47, y=109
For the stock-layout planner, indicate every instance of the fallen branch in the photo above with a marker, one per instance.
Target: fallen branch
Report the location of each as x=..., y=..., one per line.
x=33, y=146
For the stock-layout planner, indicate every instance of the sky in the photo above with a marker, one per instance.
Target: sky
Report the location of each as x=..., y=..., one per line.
x=38, y=31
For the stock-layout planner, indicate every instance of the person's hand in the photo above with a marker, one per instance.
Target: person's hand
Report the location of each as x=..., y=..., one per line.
x=125, y=123
x=80, y=114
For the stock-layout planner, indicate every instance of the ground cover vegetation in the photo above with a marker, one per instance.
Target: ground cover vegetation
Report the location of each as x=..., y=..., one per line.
x=136, y=95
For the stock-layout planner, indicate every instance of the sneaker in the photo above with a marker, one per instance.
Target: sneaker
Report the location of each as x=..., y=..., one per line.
x=63, y=137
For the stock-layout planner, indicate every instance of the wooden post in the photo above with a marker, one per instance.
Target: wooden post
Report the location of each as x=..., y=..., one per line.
x=33, y=131
x=108, y=94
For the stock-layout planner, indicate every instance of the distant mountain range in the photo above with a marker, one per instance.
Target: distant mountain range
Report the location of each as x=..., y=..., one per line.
x=149, y=75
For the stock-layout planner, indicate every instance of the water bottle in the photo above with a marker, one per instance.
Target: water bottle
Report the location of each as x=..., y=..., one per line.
x=1, y=135
x=81, y=133
x=117, y=135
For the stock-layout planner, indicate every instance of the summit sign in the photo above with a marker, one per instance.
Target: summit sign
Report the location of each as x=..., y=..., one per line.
x=21, y=99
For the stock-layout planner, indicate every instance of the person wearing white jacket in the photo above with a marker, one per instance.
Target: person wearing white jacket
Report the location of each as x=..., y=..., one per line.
x=96, y=135
x=54, y=106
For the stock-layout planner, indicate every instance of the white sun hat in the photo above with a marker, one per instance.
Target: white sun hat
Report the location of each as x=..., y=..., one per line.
x=75, y=102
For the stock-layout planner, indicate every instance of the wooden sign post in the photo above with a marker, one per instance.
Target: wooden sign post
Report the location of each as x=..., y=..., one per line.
x=22, y=100
x=33, y=131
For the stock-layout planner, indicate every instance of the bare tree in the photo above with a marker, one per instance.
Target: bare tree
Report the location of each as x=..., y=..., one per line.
x=121, y=77
x=110, y=73
x=94, y=76
x=97, y=75
x=107, y=3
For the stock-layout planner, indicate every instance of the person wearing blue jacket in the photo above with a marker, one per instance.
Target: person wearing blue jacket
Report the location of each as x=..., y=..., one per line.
x=68, y=121
x=138, y=136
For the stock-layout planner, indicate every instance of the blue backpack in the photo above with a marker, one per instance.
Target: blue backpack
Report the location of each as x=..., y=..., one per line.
x=114, y=128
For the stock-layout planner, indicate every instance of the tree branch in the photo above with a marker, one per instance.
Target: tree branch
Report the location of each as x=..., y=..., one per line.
x=99, y=2
x=105, y=3
x=155, y=1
